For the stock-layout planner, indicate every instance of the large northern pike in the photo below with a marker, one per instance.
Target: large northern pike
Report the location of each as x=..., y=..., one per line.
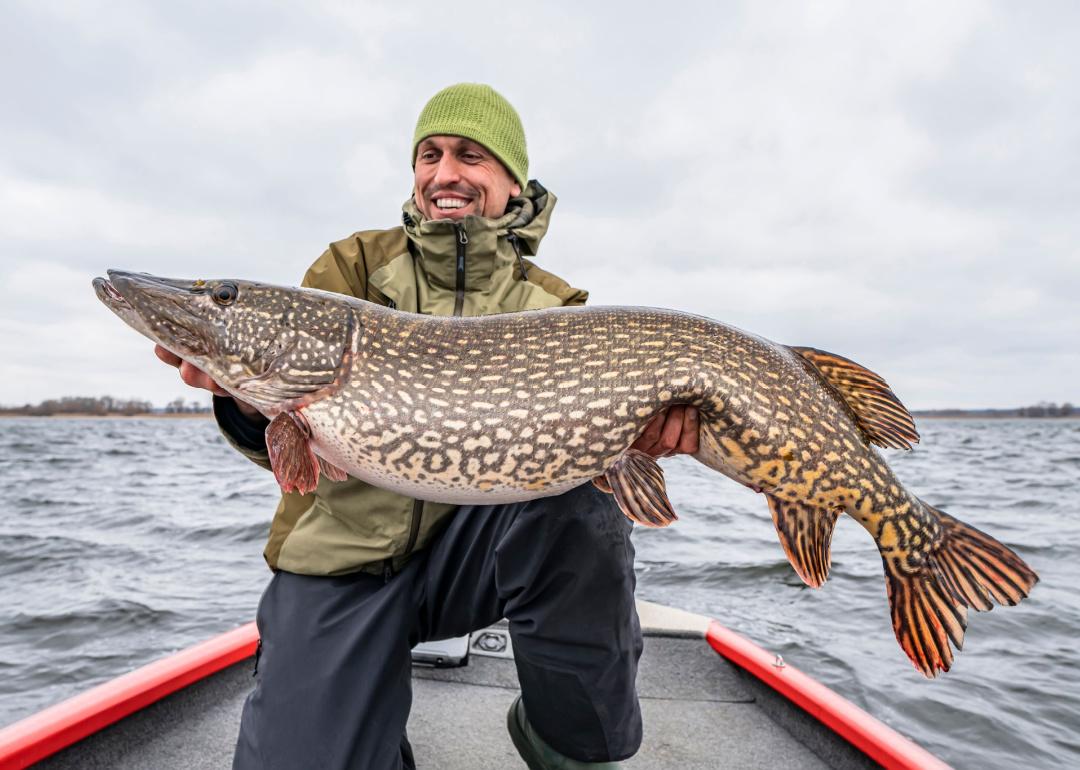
x=524, y=405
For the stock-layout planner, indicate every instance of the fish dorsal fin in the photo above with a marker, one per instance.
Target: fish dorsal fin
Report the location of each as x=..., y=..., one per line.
x=878, y=412
x=806, y=534
x=637, y=481
x=296, y=467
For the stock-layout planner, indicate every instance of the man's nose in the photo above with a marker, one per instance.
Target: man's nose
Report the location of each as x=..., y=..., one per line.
x=448, y=171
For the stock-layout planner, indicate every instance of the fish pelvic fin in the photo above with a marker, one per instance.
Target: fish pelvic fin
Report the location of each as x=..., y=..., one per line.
x=295, y=465
x=331, y=471
x=965, y=568
x=637, y=481
x=806, y=533
x=883, y=419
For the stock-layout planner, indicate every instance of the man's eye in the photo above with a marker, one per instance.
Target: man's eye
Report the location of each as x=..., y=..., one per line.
x=429, y=155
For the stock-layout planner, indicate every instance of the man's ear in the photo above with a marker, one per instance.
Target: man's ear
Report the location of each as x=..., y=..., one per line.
x=515, y=190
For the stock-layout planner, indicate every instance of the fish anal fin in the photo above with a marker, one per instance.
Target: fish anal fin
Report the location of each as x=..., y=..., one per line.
x=331, y=471
x=295, y=465
x=806, y=533
x=637, y=481
x=883, y=419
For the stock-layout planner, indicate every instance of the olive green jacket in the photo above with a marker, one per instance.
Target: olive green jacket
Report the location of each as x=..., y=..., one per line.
x=478, y=267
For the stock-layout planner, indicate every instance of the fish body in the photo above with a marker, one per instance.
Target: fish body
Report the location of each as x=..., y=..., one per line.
x=523, y=405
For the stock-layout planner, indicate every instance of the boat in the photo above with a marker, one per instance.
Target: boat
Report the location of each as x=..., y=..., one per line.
x=710, y=699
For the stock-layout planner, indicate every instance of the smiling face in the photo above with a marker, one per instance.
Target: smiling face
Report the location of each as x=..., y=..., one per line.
x=456, y=177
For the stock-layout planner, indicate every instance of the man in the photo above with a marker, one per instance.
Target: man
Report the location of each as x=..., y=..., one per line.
x=363, y=574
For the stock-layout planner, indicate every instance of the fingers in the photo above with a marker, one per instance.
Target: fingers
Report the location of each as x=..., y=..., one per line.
x=190, y=374
x=688, y=441
x=197, y=378
x=646, y=442
x=672, y=431
x=167, y=356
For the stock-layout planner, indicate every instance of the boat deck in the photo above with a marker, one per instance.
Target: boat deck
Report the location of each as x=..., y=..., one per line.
x=699, y=712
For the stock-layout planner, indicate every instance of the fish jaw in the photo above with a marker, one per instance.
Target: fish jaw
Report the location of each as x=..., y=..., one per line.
x=115, y=301
x=165, y=310
x=276, y=348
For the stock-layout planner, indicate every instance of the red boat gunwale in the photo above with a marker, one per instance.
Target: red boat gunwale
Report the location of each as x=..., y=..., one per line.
x=874, y=738
x=57, y=727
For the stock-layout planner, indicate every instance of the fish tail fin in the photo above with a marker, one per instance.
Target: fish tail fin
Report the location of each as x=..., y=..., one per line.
x=976, y=567
x=926, y=616
x=929, y=597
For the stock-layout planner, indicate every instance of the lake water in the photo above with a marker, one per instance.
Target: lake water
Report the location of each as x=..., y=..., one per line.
x=122, y=540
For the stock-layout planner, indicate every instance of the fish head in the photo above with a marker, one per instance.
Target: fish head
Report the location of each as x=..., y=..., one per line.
x=274, y=347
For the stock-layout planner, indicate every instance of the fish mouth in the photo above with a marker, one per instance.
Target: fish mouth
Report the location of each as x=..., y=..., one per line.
x=162, y=309
x=108, y=294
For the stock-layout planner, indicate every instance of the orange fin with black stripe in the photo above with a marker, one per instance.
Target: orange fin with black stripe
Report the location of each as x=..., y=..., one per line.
x=878, y=412
x=977, y=567
x=926, y=617
x=806, y=534
x=964, y=569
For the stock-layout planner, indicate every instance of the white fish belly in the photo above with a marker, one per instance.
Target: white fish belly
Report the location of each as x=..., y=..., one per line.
x=446, y=487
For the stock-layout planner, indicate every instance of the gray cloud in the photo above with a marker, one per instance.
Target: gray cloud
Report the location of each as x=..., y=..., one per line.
x=897, y=183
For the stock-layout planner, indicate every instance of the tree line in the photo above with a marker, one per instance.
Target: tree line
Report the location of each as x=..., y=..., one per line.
x=103, y=405
x=1041, y=409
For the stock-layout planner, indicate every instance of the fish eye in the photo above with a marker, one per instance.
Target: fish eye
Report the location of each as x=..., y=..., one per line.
x=224, y=293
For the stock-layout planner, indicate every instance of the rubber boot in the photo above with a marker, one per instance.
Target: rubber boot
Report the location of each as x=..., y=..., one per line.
x=537, y=754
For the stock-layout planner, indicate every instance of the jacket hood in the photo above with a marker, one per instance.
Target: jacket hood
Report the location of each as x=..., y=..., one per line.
x=488, y=249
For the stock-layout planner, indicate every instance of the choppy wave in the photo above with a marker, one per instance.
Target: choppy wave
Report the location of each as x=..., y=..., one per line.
x=124, y=540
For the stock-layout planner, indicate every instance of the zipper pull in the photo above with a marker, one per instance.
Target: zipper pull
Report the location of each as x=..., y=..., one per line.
x=462, y=236
x=388, y=570
x=512, y=237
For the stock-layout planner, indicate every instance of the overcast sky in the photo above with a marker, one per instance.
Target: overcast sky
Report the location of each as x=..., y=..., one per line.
x=895, y=182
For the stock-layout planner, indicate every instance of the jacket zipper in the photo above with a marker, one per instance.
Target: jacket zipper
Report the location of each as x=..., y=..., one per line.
x=512, y=237
x=414, y=530
x=459, y=294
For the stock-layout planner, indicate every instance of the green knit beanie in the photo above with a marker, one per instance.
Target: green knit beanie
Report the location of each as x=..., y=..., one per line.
x=480, y=113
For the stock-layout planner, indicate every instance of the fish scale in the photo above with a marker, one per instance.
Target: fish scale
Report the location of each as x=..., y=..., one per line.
x=524, y=405
x=497, y=408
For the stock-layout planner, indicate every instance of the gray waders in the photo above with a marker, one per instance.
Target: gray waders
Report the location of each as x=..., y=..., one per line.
x=333, y=687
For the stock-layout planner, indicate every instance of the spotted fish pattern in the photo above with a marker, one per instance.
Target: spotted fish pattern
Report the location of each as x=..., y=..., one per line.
x=522, y=405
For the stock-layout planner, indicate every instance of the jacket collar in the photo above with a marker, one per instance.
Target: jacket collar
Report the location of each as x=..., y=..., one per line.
x=488, y=250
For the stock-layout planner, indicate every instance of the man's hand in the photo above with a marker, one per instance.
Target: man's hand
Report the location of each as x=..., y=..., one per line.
x=197, y=378
x=673, y=431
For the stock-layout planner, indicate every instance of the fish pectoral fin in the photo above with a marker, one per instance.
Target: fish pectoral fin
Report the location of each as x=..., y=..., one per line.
x=806, y=534
x=637, y=481
x=601, y=483
x=878, y=412
x=331, y=471
x=295, y=465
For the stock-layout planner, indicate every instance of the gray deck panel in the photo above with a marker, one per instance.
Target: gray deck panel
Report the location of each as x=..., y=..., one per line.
x=700, y=712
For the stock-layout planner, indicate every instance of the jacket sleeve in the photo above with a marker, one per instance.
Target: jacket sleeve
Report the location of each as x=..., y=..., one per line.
x=553, y=284
x=247, y=436
x=341, y=269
